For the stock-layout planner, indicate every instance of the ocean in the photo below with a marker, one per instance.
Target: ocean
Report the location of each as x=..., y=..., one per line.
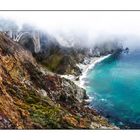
x=114, y=87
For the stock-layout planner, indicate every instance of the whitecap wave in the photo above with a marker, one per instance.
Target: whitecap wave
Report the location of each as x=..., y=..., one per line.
x=88, y=67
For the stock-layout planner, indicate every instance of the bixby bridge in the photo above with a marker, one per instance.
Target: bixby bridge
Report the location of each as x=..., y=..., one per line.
x=19, y=36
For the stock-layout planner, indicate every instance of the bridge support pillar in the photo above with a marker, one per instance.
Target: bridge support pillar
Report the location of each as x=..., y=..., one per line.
x=36, y=39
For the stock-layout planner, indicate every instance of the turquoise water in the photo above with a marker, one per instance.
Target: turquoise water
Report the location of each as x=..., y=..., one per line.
x=114, y=85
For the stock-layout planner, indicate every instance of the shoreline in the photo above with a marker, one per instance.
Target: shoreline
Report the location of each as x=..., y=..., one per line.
x=85, y=67
x=90, y=66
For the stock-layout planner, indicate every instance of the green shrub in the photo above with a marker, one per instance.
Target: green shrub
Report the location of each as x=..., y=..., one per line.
x=46, y=116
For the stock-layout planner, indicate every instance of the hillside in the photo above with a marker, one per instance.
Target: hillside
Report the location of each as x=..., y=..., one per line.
x=31, y=97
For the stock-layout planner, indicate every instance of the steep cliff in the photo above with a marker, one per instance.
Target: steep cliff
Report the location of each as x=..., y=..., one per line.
x=31, y=97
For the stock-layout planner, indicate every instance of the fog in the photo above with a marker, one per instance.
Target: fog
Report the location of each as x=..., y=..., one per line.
x=84, y=27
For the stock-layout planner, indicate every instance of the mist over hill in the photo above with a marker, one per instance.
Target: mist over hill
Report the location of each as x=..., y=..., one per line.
x=59, y=52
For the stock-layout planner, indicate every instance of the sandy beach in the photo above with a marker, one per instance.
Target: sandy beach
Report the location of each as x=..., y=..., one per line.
x=85, y=68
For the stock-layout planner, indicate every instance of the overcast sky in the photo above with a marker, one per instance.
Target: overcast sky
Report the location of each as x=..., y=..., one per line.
x=91, y=24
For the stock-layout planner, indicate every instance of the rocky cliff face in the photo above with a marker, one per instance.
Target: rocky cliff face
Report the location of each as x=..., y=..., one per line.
x=31, y=97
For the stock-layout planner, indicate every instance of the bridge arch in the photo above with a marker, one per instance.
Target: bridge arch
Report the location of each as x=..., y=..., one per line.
x=30, y=40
